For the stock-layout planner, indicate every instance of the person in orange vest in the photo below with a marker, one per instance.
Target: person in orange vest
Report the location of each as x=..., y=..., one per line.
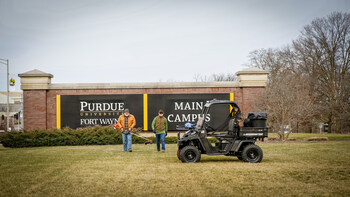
x=126, y=123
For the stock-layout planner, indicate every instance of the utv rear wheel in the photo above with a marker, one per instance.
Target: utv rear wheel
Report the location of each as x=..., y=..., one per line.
x=252, y=153
x=190, y=154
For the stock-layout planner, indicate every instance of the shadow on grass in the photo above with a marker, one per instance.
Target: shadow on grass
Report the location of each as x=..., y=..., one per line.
x=228, y=159
x=214, y=160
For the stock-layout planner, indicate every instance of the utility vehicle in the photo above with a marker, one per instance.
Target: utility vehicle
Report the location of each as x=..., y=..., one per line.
x=231, y=139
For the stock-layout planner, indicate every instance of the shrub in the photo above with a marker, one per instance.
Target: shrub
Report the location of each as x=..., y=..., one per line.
x=97, y=135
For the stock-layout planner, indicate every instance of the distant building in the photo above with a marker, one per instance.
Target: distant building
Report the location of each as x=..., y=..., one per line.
x=15, y=97
x=15, y=104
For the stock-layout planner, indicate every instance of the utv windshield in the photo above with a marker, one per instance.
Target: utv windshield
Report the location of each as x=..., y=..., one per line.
x=218, y=116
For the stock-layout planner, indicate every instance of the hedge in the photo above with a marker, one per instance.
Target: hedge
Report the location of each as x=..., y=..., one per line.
x=97, y=135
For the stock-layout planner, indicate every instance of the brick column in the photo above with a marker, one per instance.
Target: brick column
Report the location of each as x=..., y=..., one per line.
x=252, y=82
x=34, y=109
x=35, y=84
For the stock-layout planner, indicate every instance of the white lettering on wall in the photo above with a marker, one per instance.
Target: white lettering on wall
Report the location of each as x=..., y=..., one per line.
x=88, y=121
x=85, y=106
x=96, y=121
x=186, y=118
x=188, y=106
x=179, y=106
x=98, y=106
x=106, y=107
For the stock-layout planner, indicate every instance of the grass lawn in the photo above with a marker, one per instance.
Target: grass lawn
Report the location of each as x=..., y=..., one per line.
x=288, y=169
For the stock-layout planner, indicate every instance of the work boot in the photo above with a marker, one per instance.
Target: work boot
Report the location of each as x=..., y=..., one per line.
x=163, y=151
x=130, y=150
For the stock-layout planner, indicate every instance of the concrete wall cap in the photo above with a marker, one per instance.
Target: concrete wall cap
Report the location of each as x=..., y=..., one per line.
x=252, y=70
x=35, y=73
x=143, y=85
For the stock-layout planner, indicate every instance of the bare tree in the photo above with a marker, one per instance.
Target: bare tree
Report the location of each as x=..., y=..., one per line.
x=323, y=54
x=273, y=60
x=215, y=77
x=287, y=102
x=314, y=71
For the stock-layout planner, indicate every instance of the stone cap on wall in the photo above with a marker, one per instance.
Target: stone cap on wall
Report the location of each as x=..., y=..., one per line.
x=35, y=73
x=36, y=79
x=143, y=85
x=252, y=77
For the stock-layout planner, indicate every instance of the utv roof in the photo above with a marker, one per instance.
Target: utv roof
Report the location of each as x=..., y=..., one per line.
x=220, y=101
x=211, y=102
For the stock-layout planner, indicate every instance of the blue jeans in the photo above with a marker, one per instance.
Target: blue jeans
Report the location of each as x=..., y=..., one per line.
x=160, y=138
x=127, y=140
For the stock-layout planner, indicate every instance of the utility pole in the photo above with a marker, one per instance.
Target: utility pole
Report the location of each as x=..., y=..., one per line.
x=8, y=94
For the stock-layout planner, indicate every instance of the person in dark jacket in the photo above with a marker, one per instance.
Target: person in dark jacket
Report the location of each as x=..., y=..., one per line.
x=160, y=128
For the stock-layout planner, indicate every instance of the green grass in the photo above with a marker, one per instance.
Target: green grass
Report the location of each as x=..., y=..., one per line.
x=288, y=169
x=302, y=136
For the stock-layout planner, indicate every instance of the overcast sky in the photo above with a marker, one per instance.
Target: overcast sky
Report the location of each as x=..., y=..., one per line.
x=110, y=41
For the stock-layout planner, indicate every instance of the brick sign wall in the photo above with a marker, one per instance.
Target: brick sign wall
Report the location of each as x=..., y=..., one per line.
x=181, y=101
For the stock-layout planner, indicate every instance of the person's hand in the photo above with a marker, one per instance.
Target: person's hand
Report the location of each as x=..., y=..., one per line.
x=154, y=131
x=166, y=133
x=122, y=129
x=130, y=129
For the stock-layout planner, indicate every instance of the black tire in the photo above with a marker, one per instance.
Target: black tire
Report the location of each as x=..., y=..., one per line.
x=240, y=157
x=252, y=154
x=190, y=154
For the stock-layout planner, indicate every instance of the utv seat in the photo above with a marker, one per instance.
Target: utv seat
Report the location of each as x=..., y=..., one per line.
x=230, y=131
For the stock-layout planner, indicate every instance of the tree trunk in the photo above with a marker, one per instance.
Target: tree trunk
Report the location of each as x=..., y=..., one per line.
x=330, y=123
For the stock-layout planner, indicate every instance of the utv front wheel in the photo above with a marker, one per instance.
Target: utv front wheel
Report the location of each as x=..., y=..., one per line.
x=252, y=154
x=190, y=154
